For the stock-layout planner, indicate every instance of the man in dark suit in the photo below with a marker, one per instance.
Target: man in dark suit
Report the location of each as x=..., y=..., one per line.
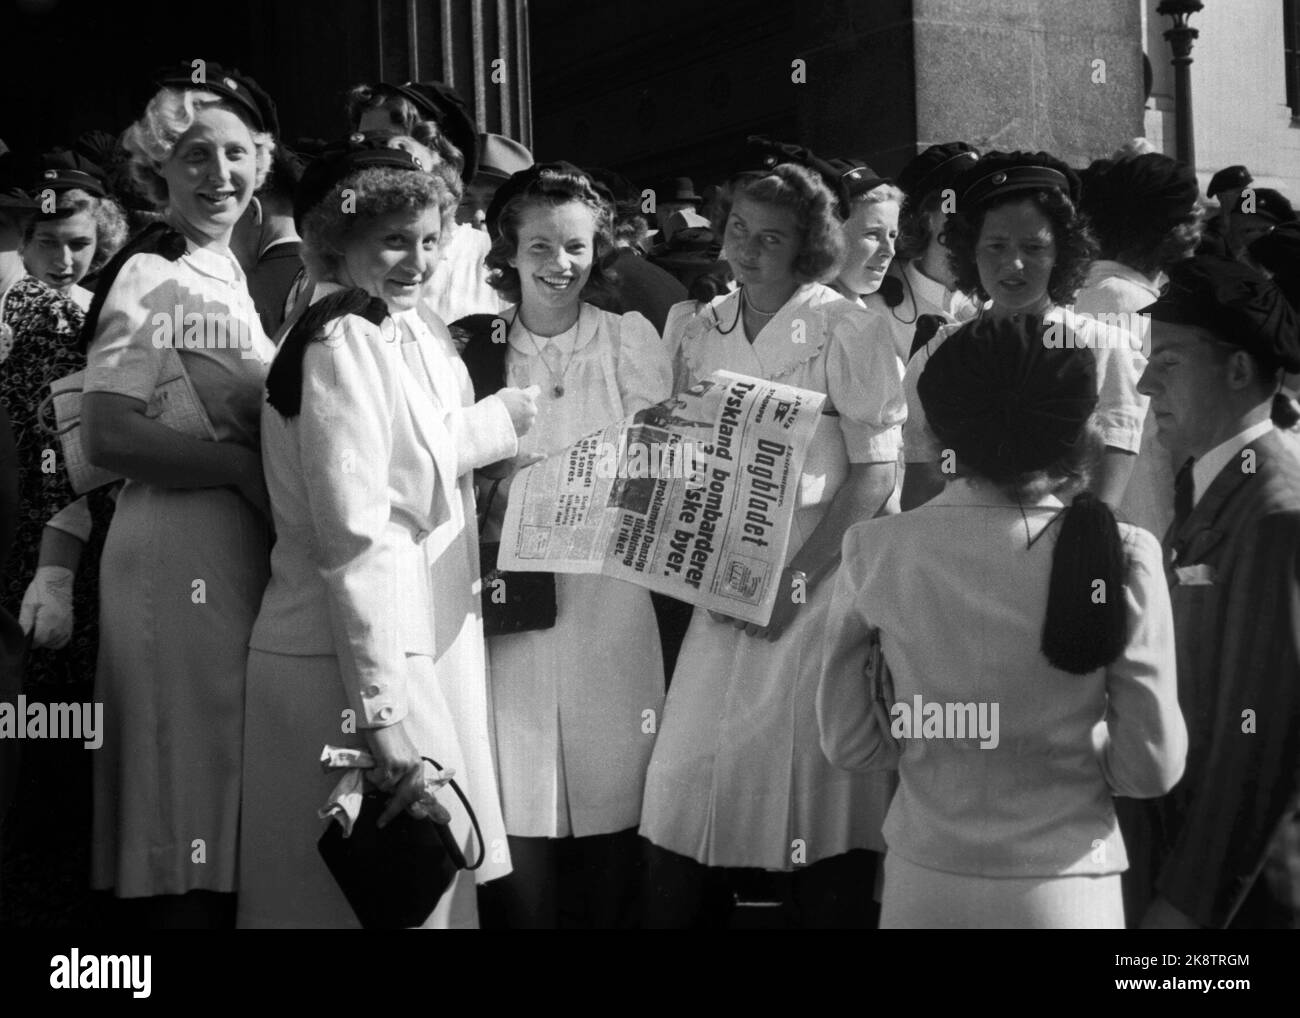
x=1222, y=335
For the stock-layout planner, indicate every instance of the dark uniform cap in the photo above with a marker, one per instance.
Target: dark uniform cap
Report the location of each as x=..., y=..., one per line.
x=1005, y=399
x=443, y=105
x=935, y=169
x=1230, y=178
x=1001, y=173
x=229, y=83
x=523, y=181
x=846, y=178
x=1234, y=302
x=63, y=170
x=1267, y=203
x=339, y=161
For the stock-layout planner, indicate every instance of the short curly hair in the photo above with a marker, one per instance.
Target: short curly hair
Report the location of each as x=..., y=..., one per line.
x=107, y=214
x=328, y=229
x=803, y=192
x=405, y=118
x=152, y=139
x=1075, y=247
x=553, y=187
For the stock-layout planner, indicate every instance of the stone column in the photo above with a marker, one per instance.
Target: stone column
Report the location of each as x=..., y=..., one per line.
x=1029, y=74
x=479, y=47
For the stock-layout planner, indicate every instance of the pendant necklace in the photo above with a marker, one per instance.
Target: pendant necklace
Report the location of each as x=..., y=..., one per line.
x=558, y=380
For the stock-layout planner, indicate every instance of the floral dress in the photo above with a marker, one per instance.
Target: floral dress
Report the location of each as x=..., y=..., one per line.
x=38, y=345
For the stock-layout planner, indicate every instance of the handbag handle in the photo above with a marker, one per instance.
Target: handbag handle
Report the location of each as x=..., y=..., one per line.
x=44, y=411
x=478, y=833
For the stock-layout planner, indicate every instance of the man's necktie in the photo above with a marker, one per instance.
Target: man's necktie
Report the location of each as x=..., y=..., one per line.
x=1183, y=491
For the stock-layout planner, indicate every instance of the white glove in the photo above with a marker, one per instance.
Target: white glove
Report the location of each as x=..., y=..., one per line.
x=47, y=607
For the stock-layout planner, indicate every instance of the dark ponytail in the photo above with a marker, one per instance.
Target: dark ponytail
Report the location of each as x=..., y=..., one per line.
x=1087, y=624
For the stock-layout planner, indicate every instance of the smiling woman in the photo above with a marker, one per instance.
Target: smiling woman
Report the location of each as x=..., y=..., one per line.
x=185, y=560
x=570, y=702
x=371, y=439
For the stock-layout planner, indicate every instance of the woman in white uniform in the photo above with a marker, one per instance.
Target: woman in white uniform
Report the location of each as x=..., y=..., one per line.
x=1018, y=242
x=185, y=559
x=738, y=778
x=576, y=706
x=1021, y=700
x=369, y=633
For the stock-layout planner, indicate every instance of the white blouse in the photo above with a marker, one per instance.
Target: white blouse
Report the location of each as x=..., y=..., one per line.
x=200, y=305
x=606, y=365
x=1121, y=409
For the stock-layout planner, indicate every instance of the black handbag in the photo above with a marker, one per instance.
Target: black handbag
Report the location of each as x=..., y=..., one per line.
x=512, y=602
x=394, y=877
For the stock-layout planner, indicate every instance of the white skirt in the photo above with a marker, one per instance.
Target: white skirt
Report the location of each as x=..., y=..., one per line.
x=918, y=898
x=293, y=709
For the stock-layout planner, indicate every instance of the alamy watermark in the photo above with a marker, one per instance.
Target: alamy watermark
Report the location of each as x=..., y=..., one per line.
x=921, y=720
x=202, y=330
x=1125, y=330
x=81, y=721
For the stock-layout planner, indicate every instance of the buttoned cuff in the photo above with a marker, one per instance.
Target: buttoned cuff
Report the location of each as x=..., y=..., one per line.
x=382, y=704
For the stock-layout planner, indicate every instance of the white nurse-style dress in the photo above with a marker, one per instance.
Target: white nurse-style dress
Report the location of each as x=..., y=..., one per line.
x=738, y=776
x=576, y=707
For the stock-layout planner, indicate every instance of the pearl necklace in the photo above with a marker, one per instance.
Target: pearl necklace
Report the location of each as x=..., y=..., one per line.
x=749, y=304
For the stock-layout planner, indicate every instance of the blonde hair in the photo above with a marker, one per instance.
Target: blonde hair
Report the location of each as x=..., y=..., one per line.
x=880, y=194
x=152, y=139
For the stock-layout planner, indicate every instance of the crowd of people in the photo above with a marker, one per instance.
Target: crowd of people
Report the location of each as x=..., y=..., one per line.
x=1056, y=483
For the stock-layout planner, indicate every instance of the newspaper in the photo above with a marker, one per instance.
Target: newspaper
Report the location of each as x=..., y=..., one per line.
x=692, y=497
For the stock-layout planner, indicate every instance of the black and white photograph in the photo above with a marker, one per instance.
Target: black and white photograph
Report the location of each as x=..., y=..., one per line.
x=966, y=596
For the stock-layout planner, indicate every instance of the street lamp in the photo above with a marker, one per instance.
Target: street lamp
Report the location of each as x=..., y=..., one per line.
x=1180, y=39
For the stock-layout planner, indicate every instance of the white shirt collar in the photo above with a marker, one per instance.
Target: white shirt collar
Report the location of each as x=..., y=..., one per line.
x=1208, y=467
x=574, y=338
x=930, y=291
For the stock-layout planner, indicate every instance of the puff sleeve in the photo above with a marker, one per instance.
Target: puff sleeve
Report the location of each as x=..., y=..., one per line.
x=863, y=386
x=643, y=369
x=123, y=356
